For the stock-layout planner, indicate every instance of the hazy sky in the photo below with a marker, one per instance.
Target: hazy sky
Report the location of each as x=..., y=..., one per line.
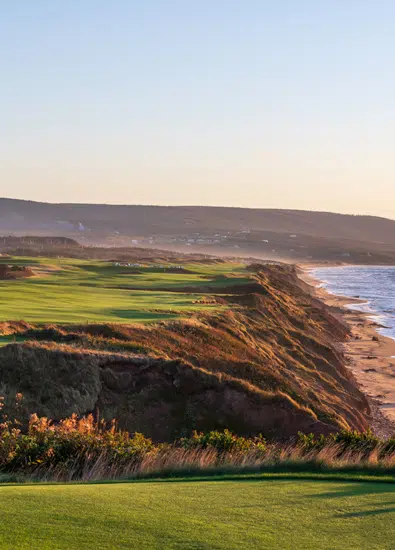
x=262, y=103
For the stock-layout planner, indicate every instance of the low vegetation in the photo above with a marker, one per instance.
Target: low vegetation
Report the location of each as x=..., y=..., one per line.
x=84, y=449
x=242, y=347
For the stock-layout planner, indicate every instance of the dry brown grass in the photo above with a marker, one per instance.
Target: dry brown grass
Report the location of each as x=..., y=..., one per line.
x=176, y=462
x=269, y=364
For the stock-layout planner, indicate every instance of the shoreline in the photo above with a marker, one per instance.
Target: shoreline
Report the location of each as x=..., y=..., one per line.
x=369, y=355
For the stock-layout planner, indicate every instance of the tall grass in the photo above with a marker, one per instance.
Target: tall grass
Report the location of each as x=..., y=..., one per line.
x=176, y=462
x=86, y=450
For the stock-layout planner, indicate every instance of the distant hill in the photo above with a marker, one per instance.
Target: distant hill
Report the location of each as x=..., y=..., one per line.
x=279, y=234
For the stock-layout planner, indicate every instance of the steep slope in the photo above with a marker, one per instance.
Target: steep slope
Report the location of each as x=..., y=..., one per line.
x=268, y=365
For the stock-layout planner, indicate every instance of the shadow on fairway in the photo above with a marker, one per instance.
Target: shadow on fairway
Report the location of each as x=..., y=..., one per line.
x=252, y=477
x=358, y=490
x=365, y=489
x=366, y=513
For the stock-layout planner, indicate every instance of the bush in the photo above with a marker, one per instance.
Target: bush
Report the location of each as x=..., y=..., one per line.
x=79, y=448
x=309, y=442
x=347, y=441
x=223, y=442
x=75, y=441
x=360, y=441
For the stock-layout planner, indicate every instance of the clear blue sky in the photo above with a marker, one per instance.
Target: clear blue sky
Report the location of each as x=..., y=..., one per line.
x=262, y=103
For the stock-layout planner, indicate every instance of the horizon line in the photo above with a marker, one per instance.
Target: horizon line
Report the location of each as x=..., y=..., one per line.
x=262, y=208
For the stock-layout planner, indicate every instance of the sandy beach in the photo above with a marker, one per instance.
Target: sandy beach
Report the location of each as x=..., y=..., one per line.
x=370, y=355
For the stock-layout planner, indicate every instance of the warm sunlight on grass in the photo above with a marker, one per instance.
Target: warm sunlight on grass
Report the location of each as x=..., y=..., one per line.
x=80, y=291
x=252, y=513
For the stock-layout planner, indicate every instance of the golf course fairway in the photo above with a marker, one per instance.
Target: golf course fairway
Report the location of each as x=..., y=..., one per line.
x=256, y=512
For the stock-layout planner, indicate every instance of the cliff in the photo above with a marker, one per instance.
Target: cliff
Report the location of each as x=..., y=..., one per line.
x=269, y=364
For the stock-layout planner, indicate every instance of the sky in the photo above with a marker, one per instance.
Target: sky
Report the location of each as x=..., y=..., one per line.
x=253, y=103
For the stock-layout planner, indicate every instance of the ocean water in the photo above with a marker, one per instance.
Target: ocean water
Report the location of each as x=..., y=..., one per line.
x=374, y=285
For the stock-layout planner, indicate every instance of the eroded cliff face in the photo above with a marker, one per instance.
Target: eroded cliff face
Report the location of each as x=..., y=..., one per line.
x=269, y=364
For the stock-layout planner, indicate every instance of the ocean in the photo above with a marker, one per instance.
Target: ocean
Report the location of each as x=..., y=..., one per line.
x=373, y=284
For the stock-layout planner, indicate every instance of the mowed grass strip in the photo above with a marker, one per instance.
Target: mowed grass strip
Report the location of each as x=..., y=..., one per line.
x=253, y=513
x=75, y=291
x=8, y=339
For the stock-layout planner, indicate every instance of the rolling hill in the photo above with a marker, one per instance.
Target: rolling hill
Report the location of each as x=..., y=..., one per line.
x=278, y=234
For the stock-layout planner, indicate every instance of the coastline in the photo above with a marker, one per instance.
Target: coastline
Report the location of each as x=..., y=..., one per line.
x=369, y=355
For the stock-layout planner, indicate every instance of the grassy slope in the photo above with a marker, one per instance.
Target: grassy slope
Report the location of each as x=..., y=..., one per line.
x=260, y=362
x=253, y=513
x=80, y=291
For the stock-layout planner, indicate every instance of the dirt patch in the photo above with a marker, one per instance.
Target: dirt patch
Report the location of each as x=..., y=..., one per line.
x=162, y=398
x=15, y=272
x=44, y=270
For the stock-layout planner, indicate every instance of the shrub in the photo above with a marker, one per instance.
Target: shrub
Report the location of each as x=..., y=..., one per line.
x=309, y=442
x=224, y=441
x=353, y=440
x=81, y=448
x=346, y=441
x=76, y=441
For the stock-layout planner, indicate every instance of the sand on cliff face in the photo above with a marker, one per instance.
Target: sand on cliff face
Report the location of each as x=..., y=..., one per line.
x=370, y=355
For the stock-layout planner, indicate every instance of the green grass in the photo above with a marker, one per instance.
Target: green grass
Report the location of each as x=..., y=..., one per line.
x=4, y=340
x=79, y=291
x=251, y=513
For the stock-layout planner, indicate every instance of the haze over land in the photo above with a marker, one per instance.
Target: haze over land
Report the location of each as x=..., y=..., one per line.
x=270, y=234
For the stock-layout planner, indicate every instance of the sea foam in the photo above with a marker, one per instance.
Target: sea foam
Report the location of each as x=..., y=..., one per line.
x=373, y=284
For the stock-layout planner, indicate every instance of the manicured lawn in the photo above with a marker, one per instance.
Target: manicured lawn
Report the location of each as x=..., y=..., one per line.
x=252, y=513
x=76, y=291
